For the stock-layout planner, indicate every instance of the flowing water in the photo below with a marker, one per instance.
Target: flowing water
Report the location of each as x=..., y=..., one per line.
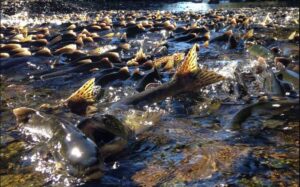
x=205, y=138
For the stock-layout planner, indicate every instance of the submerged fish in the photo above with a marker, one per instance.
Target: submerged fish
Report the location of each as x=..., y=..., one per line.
x=291, y=76
x=273, y=107
x=260, y=51
x=105, y=80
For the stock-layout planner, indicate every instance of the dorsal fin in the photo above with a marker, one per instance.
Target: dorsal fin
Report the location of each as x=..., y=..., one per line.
x=140, y=55
x=189, y=65
x=206, y=44
x=200, y=78
x=85, y=92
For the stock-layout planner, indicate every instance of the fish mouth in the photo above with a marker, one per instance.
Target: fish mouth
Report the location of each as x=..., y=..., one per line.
x=93, y=173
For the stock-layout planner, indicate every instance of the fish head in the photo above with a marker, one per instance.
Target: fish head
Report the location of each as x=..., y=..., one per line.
x=108, y=132
x=104, y=128
x=78, y=154
x=115, y=125
x=81, y=156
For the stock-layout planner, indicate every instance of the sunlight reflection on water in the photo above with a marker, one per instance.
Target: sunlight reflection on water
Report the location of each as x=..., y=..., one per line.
x=188, y=6
x=205, y=7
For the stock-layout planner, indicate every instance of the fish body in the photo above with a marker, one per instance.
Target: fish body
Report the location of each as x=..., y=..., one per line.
x=232, y=42
x=197, y=30
x=76, y=69
x=186, y=37
x=134, y=30
x=148, y=78
x=199, y=39
x=222, y=38
x=113, y=57
x=291, y=76
x=105, y=80
x=187, y=78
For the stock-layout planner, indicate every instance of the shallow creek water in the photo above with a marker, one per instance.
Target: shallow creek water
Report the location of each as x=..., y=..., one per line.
x=194, y=142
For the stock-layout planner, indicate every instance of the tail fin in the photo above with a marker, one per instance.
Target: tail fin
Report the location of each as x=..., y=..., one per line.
x=22, y=113
x=85, y=92
x=191, y=75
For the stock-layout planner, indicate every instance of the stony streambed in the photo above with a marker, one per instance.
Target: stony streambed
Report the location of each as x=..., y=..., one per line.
x=202, y=138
